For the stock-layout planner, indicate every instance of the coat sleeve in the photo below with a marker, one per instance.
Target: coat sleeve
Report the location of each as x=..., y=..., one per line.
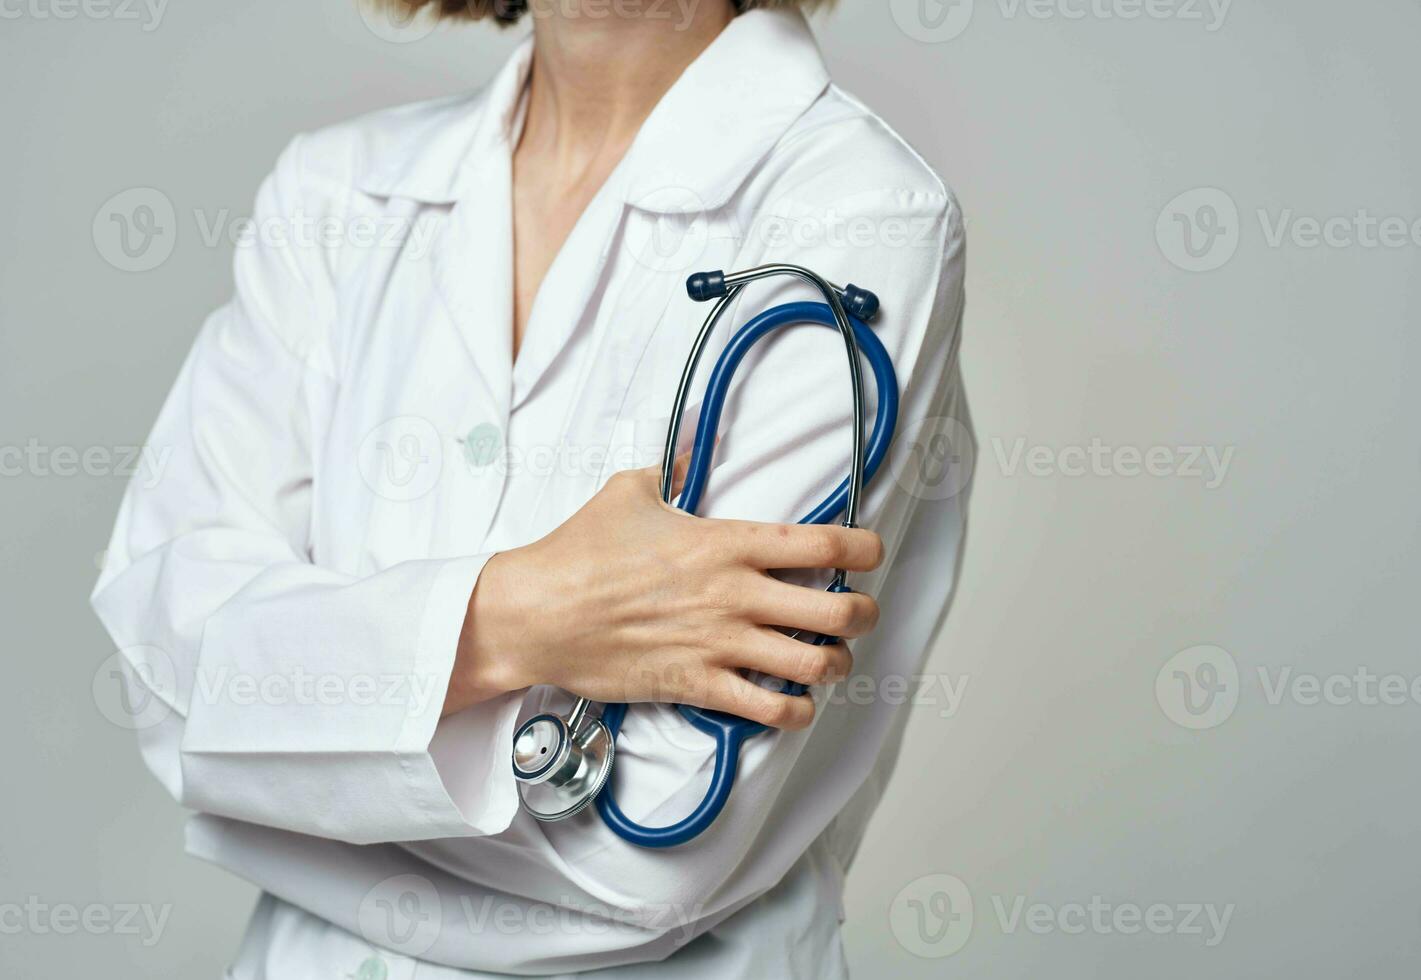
x=263, y=686
x=785, y=445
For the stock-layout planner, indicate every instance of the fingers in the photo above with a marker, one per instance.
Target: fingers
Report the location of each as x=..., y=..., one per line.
x=846, y=614
x=749, y=700
x=773, y=546
x=771, y=652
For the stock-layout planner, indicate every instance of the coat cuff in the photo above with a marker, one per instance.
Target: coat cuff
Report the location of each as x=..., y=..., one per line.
x=359, y=769
x=459, y=768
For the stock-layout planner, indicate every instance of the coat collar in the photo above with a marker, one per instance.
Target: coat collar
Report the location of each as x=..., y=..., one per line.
x=705, y=136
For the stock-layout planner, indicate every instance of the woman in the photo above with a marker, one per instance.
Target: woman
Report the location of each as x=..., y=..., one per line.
x=390, y=527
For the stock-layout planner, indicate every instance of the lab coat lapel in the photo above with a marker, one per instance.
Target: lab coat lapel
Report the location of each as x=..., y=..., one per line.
x=461, y=161
x=473, y=271
x=563, y=297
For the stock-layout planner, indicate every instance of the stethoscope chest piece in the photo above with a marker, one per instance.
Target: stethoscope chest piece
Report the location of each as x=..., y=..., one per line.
x=561, y=765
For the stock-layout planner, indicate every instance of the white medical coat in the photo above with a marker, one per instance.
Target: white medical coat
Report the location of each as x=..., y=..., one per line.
x=351, y=439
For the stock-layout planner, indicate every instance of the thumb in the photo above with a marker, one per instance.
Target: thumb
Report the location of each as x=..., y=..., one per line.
x=679, y=469
x=678, y=475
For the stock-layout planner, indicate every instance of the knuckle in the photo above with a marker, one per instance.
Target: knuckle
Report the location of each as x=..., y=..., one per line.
x=743, y=542
x=690, y=686
x=813, y=664
x=826, y=547
x=705, y=544
x=623, y=481
x=730, y=695
x=780, y=712
x=840, y=614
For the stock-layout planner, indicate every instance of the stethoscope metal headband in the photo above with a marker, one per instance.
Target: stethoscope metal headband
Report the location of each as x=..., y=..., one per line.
x=725, y=288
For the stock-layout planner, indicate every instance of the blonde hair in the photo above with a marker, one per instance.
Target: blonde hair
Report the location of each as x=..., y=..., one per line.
x=506, y=12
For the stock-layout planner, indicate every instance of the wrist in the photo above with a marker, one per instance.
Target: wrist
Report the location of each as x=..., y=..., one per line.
x=496, y=641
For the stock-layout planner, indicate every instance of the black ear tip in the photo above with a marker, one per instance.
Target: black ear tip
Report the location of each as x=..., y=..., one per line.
x=701, y=286
x=860, y=302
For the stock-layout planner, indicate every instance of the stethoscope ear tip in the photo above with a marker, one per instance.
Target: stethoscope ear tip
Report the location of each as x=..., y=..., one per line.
x=860, y=302
x=703, y=286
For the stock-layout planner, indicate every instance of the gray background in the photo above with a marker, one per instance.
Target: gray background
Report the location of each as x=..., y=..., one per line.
x=1066, y=772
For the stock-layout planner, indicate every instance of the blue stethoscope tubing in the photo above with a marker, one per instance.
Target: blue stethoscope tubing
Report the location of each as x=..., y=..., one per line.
x=728, y=731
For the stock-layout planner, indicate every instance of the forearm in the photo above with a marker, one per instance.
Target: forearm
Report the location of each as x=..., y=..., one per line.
x=496, y=629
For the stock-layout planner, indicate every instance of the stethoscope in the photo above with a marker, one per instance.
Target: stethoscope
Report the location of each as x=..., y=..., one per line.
x=564, y=764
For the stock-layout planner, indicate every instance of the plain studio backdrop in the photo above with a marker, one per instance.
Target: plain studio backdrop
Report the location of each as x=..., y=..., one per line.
x=1171, y=729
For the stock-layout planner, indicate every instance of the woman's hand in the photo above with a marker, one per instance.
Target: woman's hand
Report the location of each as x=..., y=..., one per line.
x=632, y=600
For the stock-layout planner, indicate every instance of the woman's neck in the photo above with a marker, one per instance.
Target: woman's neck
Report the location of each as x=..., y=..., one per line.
x=597, y=73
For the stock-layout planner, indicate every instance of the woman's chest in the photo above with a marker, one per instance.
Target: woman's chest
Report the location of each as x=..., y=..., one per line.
x=437, y=444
